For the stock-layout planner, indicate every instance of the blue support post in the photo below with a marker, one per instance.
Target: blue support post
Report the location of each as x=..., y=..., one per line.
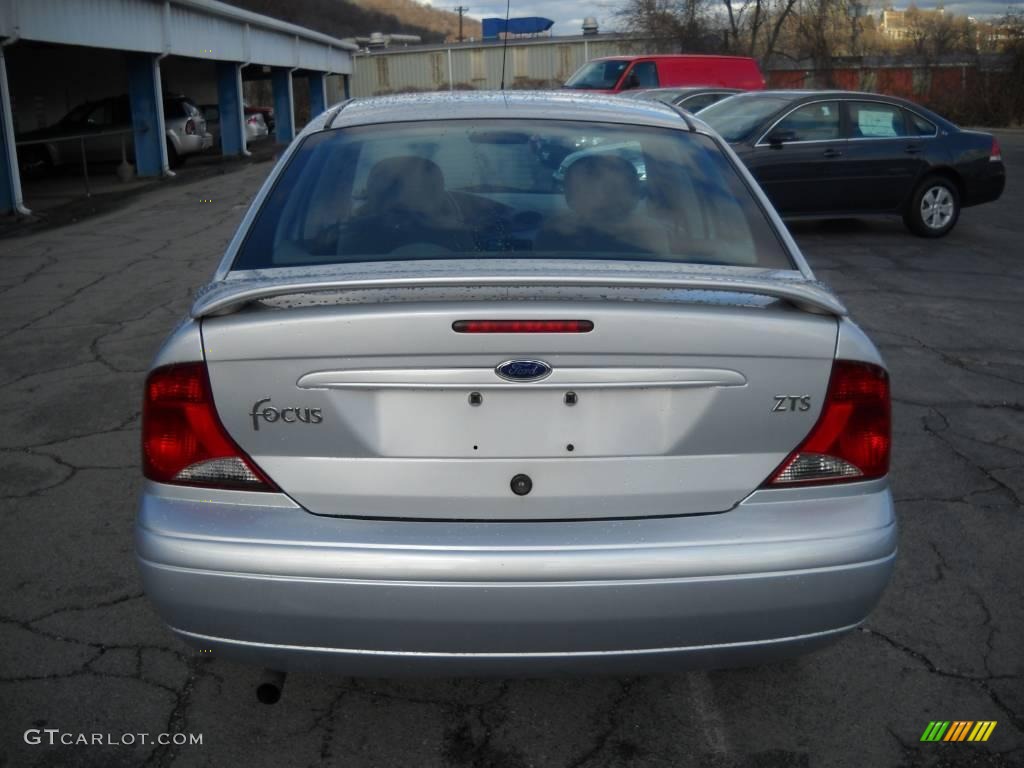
x=147, y=106
x=317, y=93
x=229, y=104
x=10, y=180
x=284, y=105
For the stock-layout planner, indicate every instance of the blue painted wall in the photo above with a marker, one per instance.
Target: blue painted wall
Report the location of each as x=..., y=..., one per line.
x=9, y=183
x=147, y=114
x=229, y=104
x=284, y=112
x=317, y=94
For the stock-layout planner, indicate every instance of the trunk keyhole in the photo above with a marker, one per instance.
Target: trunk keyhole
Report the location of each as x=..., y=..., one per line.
x=521, y=485
x=475, y=398
x=571, y=398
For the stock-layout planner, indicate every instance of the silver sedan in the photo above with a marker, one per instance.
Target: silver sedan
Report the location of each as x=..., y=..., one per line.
x=445, y=409
x=255, y=125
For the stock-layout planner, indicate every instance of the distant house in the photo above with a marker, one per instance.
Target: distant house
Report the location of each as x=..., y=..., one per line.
x=896, y=25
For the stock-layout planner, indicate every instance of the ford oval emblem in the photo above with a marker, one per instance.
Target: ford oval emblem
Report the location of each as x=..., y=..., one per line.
x=523, y=370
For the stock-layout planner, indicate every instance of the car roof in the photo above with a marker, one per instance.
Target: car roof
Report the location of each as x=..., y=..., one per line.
x=689, y=89
x=800, y=93
x=795, y=95
x=530, y=105
x=673, y=56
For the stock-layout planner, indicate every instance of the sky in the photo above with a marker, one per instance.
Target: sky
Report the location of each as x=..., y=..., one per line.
x=568, y=15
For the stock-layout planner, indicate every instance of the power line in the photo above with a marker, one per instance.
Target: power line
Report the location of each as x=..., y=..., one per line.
x=461, y=10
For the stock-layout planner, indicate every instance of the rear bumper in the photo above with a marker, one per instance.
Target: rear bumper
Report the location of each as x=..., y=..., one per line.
x=273, y=585
x=986, y=187
x=255, y=132
x=190, y=144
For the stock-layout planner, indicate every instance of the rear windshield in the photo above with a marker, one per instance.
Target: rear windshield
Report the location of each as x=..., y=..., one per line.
x=174, y=108
x=736, y=118
x=488, y=189
x=597, y=75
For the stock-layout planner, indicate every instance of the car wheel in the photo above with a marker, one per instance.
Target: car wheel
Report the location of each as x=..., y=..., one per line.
x=174, y=160
x=934, y=207
x=35, y=162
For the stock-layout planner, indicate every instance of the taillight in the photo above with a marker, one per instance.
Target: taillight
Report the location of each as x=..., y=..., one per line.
x=522, y=326
x=190, y=127
x=852, y=438
x=183, y=441
x=252, y=119
x=995, y=155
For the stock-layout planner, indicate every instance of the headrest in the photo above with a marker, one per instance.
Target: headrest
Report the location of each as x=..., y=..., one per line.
x=599, y=186
x=406, y=181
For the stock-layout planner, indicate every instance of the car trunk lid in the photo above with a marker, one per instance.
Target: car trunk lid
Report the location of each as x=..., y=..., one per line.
x=369, y=403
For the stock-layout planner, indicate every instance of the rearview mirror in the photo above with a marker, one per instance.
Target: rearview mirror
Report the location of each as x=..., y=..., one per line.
x=777, y=138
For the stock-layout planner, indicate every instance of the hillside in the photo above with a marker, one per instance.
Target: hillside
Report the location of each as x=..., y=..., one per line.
x=440, y=21
x=341, y=18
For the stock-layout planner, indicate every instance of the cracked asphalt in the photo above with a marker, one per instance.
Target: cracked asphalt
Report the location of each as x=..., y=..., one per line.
x=82, y=310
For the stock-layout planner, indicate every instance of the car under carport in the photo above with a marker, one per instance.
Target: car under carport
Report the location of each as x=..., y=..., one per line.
x=55, y=54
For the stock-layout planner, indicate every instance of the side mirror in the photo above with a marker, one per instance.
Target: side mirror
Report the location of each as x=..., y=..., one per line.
x=777, y=138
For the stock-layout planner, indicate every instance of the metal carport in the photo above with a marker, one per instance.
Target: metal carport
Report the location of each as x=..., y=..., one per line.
x=146, y=32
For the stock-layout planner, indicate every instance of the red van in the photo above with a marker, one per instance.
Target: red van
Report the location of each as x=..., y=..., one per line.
x=622, y=73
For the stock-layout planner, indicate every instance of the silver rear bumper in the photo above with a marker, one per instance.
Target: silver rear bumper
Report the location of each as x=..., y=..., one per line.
x=271, y=584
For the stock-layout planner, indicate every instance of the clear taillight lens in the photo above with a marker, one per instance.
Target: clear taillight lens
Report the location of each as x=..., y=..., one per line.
x=853, y=435
x=183, y=441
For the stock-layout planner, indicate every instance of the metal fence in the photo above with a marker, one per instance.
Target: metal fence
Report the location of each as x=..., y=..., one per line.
x=81, y=138
x=534, y=63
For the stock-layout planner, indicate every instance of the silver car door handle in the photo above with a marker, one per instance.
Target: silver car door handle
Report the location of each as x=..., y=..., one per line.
x=832, y=153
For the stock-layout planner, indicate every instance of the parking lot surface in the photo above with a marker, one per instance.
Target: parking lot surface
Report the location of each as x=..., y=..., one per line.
x=82, y=310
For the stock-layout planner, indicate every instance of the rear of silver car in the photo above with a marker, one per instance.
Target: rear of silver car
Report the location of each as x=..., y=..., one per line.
x=186, y=128
x=513, y=464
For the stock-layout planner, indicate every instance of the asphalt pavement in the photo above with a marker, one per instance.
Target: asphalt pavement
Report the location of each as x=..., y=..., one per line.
x=84, y=307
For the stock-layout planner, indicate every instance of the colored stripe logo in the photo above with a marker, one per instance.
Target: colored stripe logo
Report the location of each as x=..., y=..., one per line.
x=958, y=730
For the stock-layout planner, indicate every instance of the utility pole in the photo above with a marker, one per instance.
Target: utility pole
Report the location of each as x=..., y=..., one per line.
x=461, y=10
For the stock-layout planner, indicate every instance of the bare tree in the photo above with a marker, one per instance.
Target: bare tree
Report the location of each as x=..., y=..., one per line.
x=673, y=24
x=749, y=27
x=748, y=20
x=933, y=33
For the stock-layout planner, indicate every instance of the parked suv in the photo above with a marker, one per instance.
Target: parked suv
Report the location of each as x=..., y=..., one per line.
x=104, y=123
x=186, y=130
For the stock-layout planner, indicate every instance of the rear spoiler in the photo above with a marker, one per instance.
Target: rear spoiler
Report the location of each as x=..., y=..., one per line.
x=223, y=297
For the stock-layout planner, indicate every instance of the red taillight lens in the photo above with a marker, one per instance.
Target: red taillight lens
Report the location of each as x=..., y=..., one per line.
x=522, y=326
x=190, y=127
x=183, y=441
x=995, y=155
x=852, y=438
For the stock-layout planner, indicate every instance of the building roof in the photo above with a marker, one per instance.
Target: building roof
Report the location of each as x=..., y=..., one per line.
x=201, y=29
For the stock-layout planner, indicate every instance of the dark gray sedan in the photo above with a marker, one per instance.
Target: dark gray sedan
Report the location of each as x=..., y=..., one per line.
x=841, y=153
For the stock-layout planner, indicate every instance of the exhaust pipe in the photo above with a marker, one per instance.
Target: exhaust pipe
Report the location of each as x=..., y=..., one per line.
x=268, y=691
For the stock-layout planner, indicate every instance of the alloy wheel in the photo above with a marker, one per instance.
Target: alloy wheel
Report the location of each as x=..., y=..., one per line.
x=937, y=207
